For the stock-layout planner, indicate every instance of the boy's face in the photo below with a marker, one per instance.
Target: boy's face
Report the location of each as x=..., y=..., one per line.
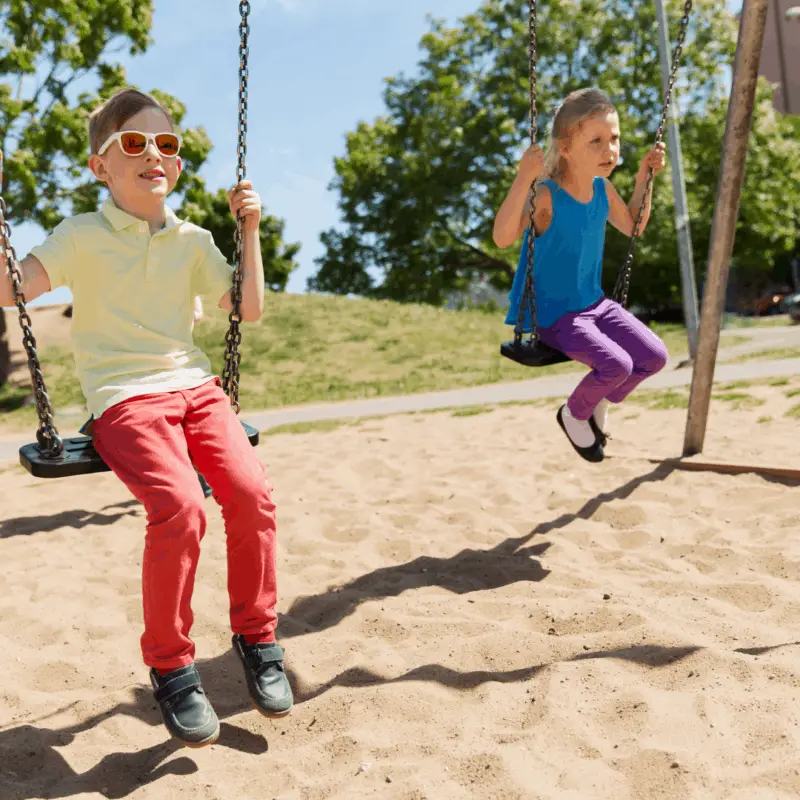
x=139, y=179
x=593, y=149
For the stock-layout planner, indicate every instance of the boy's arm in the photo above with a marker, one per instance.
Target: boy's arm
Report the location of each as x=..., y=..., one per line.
x=244, y=200
x=35, y=281
x=252, y=306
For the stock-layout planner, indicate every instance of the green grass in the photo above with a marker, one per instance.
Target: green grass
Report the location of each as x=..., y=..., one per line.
x=12, y=398
x=667, y=399
x=471, y=411
x=308, y=427
x=772, y=354
x=773, y=321
x=311, y=349
x=794, y=412
x=661, y=399
x=739, y=400
x=748, y=384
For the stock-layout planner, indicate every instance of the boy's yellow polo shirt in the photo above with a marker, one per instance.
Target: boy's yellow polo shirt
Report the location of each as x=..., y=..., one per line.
x=133, y=300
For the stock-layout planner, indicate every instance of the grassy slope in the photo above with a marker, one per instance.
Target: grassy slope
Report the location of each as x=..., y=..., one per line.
x=310, y=349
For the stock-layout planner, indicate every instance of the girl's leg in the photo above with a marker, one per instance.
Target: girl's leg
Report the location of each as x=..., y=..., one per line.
x=578, y=335
x=222, y=453
x=142, y=440
x=648, y=353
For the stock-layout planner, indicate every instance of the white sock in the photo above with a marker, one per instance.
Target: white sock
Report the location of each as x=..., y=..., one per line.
x=601, y=415
x=578, y=430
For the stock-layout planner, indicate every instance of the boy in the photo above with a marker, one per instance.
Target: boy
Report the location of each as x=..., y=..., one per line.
x=134, y=269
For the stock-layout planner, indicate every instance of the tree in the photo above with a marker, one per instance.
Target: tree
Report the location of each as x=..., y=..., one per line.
x=47, y=47
x=420, y=185
x=769, y=212
x=51, y=47
x=211, y=212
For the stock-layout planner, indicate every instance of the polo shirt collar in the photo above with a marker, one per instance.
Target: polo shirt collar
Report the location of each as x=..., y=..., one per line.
x=120, y=219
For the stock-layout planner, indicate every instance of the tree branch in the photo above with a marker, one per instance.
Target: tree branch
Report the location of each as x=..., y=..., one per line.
x=484, y=259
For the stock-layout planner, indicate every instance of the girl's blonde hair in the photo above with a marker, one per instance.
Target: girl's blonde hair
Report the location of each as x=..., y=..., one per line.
x=575, y=109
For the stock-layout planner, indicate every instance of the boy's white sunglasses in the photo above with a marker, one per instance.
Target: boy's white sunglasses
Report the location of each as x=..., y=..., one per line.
x=134, y=143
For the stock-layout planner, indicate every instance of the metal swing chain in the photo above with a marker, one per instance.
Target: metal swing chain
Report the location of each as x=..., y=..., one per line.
x=528, y=299
x=624, y=278
x=47, y=434
x=233, y=338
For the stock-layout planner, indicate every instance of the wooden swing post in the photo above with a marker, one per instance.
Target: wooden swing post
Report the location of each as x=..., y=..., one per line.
x=726, y=211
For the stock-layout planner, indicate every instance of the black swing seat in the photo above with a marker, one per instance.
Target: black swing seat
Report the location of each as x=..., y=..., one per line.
x=79, y=457
x=532, y=353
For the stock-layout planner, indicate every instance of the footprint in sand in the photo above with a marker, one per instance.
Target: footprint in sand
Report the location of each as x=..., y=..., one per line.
x=746, y=596
x=344, y=533
x=629, y=515
x=633, y=540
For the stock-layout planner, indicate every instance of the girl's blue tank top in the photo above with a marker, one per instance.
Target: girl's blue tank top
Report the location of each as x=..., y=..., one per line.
x=568, y=258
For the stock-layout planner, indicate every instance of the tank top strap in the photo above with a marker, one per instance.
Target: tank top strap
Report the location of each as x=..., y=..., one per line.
x=600, y=193
x=550, y=184
x=555, y=192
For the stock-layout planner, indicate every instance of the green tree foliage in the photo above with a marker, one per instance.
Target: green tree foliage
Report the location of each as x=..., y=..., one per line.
x=420, y=185
x=211, y=212
x=51, y=49
x=56, y=65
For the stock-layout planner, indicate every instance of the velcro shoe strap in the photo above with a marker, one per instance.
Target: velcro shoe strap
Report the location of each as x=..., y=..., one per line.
x=180, y=684
x=263, y=656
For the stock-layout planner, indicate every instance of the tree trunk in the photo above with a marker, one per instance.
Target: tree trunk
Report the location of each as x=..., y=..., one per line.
x=5, y=353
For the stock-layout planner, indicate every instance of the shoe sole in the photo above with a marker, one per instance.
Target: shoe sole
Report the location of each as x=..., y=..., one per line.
x=196, y=745
x=270, y=714
x=581, y=451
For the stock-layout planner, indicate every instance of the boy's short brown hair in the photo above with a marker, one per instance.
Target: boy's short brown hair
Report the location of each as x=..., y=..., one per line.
x=116, y=111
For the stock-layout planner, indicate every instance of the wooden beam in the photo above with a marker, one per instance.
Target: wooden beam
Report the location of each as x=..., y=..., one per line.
x=726, y=211
x=692, y=465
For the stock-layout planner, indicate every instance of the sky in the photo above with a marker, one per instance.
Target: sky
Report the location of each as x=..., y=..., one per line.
x=316, y=68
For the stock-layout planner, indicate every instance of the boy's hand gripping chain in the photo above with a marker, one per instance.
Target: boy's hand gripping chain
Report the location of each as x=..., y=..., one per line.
x=233, y=338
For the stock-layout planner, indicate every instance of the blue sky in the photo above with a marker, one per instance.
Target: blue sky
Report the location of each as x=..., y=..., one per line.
x=316, y=69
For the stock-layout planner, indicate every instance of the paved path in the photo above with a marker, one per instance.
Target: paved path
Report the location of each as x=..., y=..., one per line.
x=551, y=386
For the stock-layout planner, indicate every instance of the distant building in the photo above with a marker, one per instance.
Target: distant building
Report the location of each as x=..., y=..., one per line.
x=780, y=56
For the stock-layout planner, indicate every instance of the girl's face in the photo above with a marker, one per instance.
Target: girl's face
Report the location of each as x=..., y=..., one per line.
x=593, y=148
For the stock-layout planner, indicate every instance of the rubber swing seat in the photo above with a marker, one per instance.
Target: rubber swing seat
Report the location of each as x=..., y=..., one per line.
x=79, y=457
x=532, y=353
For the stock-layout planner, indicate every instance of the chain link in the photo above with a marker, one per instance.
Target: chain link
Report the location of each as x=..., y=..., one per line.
x=233, y=338
x=624, y=278
x=50, y=442
x=528, y=299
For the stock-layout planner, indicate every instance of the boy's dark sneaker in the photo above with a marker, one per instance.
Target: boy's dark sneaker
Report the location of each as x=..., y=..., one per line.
x=265, y=675
x=207, y=490
x=186, y=711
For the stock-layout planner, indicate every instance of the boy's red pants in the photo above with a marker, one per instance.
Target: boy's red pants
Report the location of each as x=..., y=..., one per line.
x=153, y=444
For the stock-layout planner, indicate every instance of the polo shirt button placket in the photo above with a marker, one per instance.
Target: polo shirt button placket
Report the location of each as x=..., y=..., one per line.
x=152, y=258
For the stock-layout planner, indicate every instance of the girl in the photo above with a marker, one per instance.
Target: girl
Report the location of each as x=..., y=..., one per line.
x=574, y=198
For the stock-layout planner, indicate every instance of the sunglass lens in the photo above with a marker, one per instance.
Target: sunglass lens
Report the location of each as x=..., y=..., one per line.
x=133, y=143
x=168, y=144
